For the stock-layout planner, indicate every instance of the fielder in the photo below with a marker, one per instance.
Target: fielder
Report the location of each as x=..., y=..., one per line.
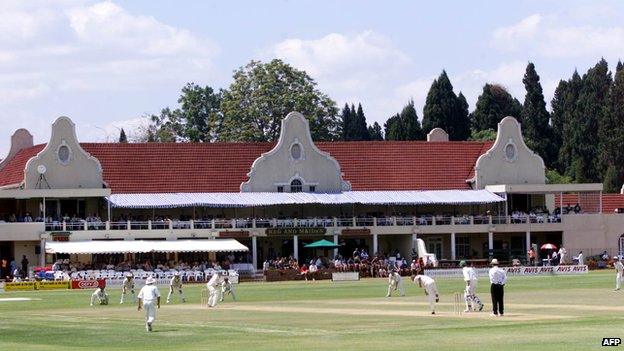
x=395, y=281
x=227, y=288
x=619, y=268
x=431, y=290
x=470, y=293
x=214, y=288
x=100, y=295
x=149, y=299
x=175, y=283
x=127, y=287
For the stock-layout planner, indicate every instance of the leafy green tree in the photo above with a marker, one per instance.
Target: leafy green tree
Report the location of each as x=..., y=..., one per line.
x=564, y=119
x=375, y=132
x=482, y=135
x=494, y=104
x=535, y=118
x=347, y=121
x=443, y=109
x=197, y=119
x=122, y=136
x=393, y=128
x=554, y=177
x=262, y=94
x=612, y=182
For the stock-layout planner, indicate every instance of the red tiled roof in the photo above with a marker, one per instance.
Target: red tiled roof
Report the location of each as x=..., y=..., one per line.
x=612, y=201
x=592, y=201
x=222, y=167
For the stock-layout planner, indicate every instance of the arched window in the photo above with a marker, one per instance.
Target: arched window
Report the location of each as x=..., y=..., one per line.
x=296, y=186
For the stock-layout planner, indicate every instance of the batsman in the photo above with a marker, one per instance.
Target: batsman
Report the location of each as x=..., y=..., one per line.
x=473, y=303
x=395, y=282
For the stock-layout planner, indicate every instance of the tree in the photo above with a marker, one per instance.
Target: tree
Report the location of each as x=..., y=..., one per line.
x=375, y=132
x=262, y=94
x=361, y=131
x=198, y=119
x=611, y=134
x=482, y=135
x=122, y=136
x=535, y=118
x=347, y=121
x=591, y=107
x=564, y=120
x=404, y=125
x=494, y=104
x=446, y=110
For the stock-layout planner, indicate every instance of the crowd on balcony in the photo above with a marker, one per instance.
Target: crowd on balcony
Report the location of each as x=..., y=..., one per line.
x=26, y=217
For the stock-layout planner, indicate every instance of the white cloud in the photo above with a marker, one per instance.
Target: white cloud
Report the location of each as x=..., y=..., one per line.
x=523, y=30
x=109, y=132
x=554, y=36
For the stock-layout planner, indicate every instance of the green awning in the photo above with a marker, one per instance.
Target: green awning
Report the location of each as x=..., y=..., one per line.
x=322, y=244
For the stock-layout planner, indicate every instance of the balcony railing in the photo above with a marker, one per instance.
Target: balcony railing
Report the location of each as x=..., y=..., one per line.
x=344, y=222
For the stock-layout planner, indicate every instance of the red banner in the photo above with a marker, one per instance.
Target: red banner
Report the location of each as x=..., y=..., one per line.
x=87, y=284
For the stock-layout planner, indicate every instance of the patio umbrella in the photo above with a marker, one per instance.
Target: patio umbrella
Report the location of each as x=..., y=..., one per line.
x=322, y=244
x=548, y=247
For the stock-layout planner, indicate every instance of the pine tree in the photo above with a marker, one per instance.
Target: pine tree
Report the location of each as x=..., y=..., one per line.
x=411, y=125
x=564, y=119
x=122, y=136
x=393, y=128
x=494, y=104
x=611, y=134
x=375, y=132
x=443, y=109
x=591, y=106
x=347, y=122
x=535, y=118
x=361, y=131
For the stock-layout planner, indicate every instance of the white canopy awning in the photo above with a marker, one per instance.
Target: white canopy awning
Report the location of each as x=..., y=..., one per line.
x=136, y=246
x=178, y=200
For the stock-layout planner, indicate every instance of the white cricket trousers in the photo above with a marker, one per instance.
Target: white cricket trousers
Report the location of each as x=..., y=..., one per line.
x=150, y=311
x=214, y=296
x=618, y=280
x=470, y=296
x=432, y=291
x=399, y=287
x=171, y=288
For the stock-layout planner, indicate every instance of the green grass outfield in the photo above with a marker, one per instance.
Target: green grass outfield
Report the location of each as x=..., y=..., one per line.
x=542, y=313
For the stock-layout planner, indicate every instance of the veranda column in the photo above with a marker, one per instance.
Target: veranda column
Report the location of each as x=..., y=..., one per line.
x=296, y=247
x=528, y=242
x=335, y=242
x=375, y=244
x=42, y=253
x=490, y=244
x=254, y=252
x=453, y=253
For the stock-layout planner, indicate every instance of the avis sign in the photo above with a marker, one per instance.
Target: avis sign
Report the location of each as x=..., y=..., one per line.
x=547, y=270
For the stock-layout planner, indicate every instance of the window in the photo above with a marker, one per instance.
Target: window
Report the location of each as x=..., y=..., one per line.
x=63, y=154
x=312, y=188
x=295, y=151
x=280, y=189
x=295, y=186
x=510, y=152
x=462, y=247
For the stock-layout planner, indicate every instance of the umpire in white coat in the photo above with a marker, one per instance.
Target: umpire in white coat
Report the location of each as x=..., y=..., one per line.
x=498, y=278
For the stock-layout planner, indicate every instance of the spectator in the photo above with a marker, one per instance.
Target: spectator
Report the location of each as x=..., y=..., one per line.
x=24, y=264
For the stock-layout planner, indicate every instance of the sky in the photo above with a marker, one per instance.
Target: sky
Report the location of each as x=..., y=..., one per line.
x=108, y=64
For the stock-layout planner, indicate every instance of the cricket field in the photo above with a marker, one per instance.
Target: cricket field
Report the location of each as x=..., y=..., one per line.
x=542, y=313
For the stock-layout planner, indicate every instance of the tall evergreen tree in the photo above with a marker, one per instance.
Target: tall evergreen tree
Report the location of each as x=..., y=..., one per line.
x=564, y=119
x=361, y=131
x=347, y=122
x=591, y=107
x=446, y=110
x=393, y=128
x=122, y=136
x=535, y=118
x=494, y=104
x=611, y=134
x=404, y=125
x=375, y=133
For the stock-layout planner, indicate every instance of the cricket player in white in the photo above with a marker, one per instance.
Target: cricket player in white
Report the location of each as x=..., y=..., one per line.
x=214, y=289
x=470, y=293
x=149, y=299
x=100, y=295
x=227, y=288
x=431, y=290
x=175, y=283
x=395, y=281
x=619, y=268
x=128, y=287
